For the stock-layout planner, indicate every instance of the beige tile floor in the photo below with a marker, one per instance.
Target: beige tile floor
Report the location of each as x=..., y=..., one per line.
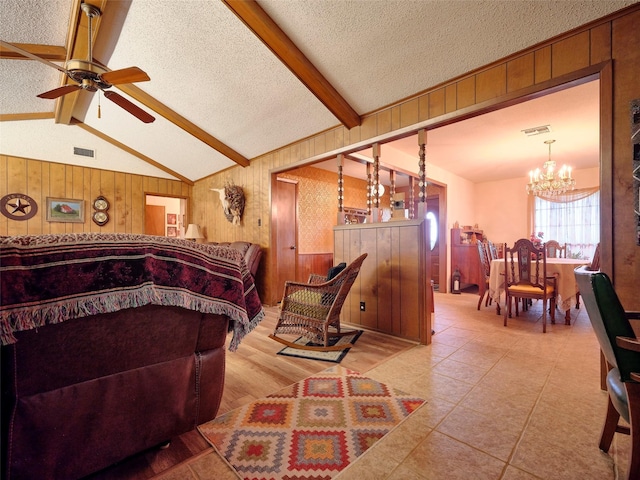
x=502, y=403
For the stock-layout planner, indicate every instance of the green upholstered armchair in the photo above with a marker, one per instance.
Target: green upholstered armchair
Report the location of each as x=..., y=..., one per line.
x=621, y=349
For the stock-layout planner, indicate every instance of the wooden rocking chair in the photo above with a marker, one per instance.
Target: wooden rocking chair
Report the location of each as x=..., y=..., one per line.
x=312, y=309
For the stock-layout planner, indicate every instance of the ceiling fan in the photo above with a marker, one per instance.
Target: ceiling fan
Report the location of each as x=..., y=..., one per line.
x=92, y=77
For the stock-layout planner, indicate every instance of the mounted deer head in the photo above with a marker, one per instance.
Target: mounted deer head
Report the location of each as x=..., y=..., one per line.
x=223, y=199
x=232, y=200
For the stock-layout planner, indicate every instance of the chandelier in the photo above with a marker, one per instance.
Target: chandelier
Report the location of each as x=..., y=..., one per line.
x=547, y=181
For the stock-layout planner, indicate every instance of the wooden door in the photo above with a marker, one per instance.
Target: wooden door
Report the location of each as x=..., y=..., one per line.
x=154, y=220
x=285, y=202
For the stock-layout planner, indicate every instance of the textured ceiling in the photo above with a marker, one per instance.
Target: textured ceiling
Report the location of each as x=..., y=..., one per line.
x=209, y=68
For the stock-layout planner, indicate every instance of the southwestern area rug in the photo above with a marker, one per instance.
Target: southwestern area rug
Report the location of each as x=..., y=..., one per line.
x=335, y=356
x=312, y=429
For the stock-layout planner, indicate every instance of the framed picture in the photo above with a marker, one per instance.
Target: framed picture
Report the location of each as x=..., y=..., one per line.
x=172, y=231
x=65, y=210
x=171, y=218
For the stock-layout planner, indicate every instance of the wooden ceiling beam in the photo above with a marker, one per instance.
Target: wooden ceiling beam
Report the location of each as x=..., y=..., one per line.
x=129, y=150
x=13, y=117
x=77, y=47
x=48, y=52
x=254, y=17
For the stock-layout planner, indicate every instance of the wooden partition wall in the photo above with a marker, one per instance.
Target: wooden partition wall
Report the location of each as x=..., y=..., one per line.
x=394, y=280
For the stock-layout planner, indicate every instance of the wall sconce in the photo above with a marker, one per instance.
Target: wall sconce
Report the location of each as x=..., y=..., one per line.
x=193, y=232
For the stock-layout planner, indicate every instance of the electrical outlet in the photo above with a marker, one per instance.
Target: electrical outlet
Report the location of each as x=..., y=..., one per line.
x=362, y=307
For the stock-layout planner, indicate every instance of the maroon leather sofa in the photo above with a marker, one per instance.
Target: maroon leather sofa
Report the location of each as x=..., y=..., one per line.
x=251, y=252
x=83, y=394
x=80, y=394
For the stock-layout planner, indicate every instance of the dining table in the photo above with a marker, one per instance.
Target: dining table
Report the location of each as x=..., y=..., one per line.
x=561, y=268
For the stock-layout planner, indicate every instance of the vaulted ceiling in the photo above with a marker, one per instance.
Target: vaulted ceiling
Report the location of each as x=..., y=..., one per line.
x=231, y=80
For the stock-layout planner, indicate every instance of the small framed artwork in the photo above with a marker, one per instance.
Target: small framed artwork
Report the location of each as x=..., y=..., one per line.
x=172, y=231
x=65, y=210
x=171, y=218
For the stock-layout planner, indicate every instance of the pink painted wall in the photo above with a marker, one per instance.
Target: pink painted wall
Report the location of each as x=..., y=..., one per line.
x=501, y=207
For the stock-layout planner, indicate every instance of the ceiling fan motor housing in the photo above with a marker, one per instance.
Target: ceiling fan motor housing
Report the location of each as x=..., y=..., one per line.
x=82, y=70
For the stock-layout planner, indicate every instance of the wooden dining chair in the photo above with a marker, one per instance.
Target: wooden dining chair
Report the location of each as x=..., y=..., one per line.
x=593, y=266
x=526, y=278
x=485, y=266
x=595, y=261
x=492, y=251
x=555, y=249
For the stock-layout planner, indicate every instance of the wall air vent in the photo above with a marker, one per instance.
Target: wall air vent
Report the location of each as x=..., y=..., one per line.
x=530, y=132
x=84, y=152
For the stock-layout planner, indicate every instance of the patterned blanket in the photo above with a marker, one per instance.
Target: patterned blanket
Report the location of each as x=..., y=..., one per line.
x=48, y=279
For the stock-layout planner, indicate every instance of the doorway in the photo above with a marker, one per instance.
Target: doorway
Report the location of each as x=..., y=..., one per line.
x=165, y=215
x=452, y=209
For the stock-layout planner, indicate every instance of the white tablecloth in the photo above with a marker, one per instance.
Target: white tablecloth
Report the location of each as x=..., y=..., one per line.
x=562, y=268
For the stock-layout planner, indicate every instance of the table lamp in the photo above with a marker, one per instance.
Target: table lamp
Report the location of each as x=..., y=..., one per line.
x=193, y=232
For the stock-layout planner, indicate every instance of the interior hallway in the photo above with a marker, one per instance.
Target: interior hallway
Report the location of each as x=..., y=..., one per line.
x=502, y=403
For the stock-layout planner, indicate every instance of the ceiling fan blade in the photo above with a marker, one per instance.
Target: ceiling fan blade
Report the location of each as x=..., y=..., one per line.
x=60, y=91
x=129, y=107
x=125, y=75
x=32, y=56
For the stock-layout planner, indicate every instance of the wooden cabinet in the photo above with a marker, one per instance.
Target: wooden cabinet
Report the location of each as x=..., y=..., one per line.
x=464, y=256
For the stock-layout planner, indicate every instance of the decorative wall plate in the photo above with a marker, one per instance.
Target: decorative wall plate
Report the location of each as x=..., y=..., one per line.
x=18, y=206
x=100, y=218
x=101, y=203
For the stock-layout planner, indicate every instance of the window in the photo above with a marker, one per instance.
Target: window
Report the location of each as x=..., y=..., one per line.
x=433, y=229
x=572, y=218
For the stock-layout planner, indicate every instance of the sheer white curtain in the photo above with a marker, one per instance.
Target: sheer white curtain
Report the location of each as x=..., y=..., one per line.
x=572, y=218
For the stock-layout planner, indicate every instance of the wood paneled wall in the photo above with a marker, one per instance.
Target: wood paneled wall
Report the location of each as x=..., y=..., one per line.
x=393, y=279
x=565, y=57
x=39, y=180
x=309, y=263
